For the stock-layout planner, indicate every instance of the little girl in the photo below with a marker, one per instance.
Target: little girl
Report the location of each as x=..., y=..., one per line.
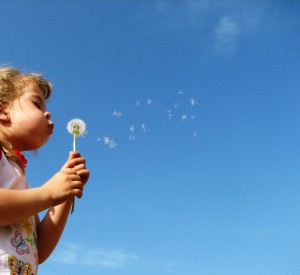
x=25, y=124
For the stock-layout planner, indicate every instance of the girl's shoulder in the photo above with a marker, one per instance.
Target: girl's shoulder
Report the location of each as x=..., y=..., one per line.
x=11, y=176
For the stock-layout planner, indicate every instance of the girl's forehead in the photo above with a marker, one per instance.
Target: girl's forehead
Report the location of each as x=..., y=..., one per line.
x=32, y=89
x=32, y=92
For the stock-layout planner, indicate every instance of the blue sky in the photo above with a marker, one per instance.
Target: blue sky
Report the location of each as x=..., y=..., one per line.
x=209, y=188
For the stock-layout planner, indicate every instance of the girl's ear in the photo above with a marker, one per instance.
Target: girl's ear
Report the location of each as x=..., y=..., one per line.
x=4, y=117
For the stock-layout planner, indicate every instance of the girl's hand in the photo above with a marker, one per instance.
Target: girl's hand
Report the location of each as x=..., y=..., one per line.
x=77, y=162
x=69, y=181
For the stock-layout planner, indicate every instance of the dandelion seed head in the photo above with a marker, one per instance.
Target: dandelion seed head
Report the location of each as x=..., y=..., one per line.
x=76, y=127
x=132, y=137
x=113, y=144
x=117, y=114
x=193, y=102
x=106, y=140
x=183, y=117
x=132, y=129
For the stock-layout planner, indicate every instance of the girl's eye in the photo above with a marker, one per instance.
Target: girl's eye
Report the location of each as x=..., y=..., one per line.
x=37, y=104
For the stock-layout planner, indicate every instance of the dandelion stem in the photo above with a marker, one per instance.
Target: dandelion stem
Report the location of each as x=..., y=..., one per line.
x=74, y=141
x=77, y=128
x=74, y=149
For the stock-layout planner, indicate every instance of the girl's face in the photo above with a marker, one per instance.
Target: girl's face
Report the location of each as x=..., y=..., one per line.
x=29, y=126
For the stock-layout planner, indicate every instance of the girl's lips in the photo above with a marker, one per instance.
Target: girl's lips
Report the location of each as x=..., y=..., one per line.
x=51, y=127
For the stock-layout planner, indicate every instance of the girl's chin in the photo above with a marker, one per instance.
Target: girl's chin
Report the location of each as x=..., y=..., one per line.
x=31, y=145
x=37, y=145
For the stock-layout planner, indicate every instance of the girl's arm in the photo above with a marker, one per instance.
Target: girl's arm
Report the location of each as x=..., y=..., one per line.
x=16, y=205
x=49, y=230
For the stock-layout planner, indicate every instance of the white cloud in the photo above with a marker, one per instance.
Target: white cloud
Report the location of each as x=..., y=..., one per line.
x=108, y=258
x=79, y=255
x=96, y=259
x=91, y=258
x=226, y=34
x=67, y=255
x=177, y=15
x=209, y=25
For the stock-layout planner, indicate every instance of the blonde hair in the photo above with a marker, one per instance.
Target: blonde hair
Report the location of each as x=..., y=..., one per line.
x=12, y=83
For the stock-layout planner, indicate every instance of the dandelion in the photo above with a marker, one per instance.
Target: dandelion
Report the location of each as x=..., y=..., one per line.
x=77, y=128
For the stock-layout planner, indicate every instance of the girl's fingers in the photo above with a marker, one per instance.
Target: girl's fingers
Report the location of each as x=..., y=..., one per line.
x=79, y=167
x=84, y=175
x=76, y=161
x=71, y=157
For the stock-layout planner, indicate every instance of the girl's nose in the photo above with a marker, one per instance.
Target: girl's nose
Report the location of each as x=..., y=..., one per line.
x=48, y=115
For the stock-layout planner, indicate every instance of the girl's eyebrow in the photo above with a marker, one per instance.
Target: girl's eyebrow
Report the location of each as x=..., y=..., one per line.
x=38, y=97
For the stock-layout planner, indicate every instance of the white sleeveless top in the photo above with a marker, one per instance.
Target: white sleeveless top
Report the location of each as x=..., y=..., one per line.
x=18, y=242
